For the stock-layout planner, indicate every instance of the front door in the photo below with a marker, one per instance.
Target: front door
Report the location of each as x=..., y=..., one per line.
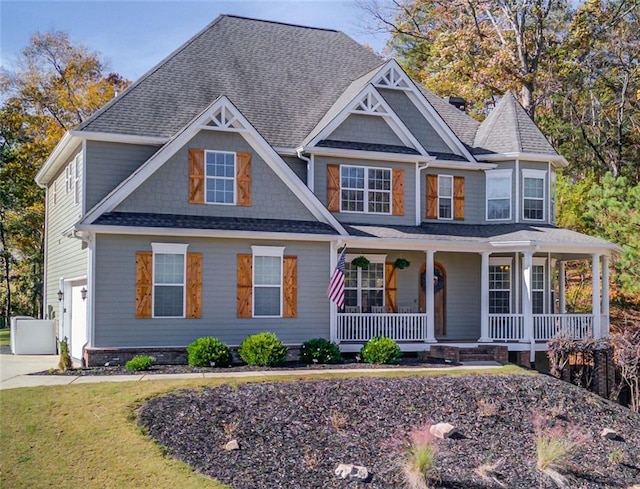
x=439, y=296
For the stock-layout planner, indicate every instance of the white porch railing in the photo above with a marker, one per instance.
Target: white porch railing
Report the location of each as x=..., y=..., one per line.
x=506, y=327
x=400, y=327
x=546, y=326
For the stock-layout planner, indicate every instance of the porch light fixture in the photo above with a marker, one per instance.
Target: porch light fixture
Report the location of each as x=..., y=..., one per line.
x=60, y=295
x=83, y=293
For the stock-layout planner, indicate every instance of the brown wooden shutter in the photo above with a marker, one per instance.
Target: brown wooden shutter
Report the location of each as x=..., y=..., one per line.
x=333, y=188
x=432, y=196
x=458, y=198
x=245, y=286
x=144, y=284
x=196, y=176
x=243, y=179
x=194, y=285
x=290, y=285
x=391, y=287
x=398, y=191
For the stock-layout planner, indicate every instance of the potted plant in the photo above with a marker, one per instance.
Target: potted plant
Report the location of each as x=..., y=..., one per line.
x=401, y=263
x=360, y=262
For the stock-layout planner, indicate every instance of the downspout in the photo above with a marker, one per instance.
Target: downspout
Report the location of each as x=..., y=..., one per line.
x=310, y=167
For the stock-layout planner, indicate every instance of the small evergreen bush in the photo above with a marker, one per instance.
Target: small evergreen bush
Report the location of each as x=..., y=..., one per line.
x=263, y=349
x=139, y=362
x=64, y=362
x=319, y=350
x=208, y=352
x=380, y=349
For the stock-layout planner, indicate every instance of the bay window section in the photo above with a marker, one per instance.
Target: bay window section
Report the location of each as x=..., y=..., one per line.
x=533, y=194
x=498, y=184
x=220, y=170
x=169, y=272
x=500, y=286
x=364, y=286
x=267, y=281
x=364, y=189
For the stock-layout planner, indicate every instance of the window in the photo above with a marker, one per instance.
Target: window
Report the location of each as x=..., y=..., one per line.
x=498, y=195
x=537, y=289
x=500, y=286
x=267, y=281
x=55, y=192
x=68, y=177
x=364, y=287
x=76, y=178
x=220, y=177
x=365, y=189
x=445, y=197
x=169, y=271
x=552, y=203
x=533, y=194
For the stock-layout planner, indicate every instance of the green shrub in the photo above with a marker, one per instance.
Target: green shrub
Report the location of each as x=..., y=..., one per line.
x=380, y=350
x=65, y=359
x=139, y=362
x=208, y=352
x=319, y=350
x=264, y=349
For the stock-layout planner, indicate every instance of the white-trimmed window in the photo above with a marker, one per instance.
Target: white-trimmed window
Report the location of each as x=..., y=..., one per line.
x=68, y=180
x=169, y=277
x=267, y=281
x=365, y=189
x=445, y=197
x=538, y=286
x=364, y=286
x=54, y=191
x=498, y=195
x=533, y=194
x=553, y=197
x=220, y=171
x=499, y=285
x=76, y=178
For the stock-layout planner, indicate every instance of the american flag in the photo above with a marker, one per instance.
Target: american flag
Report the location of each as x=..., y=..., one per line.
x=335, y=292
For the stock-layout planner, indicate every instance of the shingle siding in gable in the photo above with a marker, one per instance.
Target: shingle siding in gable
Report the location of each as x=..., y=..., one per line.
x=365, y=129
x=167, y=189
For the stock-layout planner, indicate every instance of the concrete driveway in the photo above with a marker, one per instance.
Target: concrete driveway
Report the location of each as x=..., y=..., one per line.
x=14, y=365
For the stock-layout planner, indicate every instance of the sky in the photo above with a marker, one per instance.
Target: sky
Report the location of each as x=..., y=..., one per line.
x=132, y=36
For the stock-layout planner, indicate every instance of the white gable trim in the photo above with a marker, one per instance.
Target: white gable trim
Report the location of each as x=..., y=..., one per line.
x=392, y=77
x=367, y=155
x=558, y=160
x=370, y=102
x=232, y=120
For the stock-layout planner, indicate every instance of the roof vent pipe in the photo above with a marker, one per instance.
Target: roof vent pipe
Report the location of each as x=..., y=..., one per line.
x=458, y=103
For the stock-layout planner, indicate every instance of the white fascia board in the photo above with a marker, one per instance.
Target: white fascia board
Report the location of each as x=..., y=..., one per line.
x=412, y=244
x=285, y=151
x=461, y=165
x=61, y=152
x=367, y=155
x=557, y=160
x=118, y=138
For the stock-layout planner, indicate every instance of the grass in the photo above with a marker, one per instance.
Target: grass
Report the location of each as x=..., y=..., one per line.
x=87, y=435
x=419, y=467
x=5, y=334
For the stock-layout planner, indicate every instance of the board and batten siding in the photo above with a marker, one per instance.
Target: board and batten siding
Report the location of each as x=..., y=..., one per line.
x=167, y=190
x=65, y=257
x=474, y=194
x=365, y=129
x=408, y=218
x=116, y=325
x=108, y=164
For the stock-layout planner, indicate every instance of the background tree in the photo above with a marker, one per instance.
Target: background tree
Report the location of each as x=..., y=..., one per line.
x=55, y=86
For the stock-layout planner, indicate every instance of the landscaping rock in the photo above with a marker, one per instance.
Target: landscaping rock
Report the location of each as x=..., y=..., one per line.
x=232, y=445
x=443, y=430
x=609, y=434
x=355, y=472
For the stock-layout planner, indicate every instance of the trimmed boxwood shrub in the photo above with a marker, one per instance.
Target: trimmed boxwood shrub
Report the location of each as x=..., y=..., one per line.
x=263, y=349
x=380, y=349
x=139, y=362
x=208, y=352
x=319, y=350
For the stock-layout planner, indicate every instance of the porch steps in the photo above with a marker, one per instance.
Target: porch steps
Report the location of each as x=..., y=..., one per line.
x=481, y=353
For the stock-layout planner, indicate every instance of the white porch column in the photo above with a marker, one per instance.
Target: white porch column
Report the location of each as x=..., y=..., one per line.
x=429, y=291
x=562, y=289
x=484, y=298
x=604, y=327
x=527, y=307
x=333, y=308
x=595, y=294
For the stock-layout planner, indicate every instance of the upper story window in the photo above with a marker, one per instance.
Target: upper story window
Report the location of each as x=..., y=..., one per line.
x=267, y=281
x=364, y=189
x=445, y=197
x=55, y=192
x=498, y=195
x=220, y=177
x=76, y=178
x=169, y=273
x=533, y=194
x=68, y=176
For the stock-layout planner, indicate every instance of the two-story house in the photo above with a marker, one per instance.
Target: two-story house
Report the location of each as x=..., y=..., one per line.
x=212, y=196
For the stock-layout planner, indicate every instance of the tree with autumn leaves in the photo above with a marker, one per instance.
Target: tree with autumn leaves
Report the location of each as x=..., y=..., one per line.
x=56, y=85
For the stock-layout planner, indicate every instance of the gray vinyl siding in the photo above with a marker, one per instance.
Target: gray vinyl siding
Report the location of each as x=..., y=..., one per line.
x=531, y=165
x=116, y=325
x=298, y=166
x=415, y=121
x=408, y=218
x=365, y=129
x=65, y=256
x=167, y=190
x=474, y=195
x=108, y=164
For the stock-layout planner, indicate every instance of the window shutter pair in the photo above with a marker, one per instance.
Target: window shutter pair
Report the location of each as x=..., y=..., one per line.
x=289, y=286
x=432, y=197
x=144, y=285
x=333, y=189
x=197, y=178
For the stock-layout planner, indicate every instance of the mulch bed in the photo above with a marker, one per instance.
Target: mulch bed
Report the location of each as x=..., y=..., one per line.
x=294, y=434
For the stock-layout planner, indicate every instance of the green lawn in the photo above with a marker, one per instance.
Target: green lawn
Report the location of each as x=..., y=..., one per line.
x=4, y=336
x=86, y=435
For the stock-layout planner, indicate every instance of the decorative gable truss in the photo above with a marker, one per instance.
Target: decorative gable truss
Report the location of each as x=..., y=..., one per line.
x=392, y=77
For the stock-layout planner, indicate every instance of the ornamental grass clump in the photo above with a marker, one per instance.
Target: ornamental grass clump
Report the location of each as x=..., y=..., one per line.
x=139, y=362
x=319, y=350
x=263, y=349
x=419, y=464
x=208, y=352
x=380, y=349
